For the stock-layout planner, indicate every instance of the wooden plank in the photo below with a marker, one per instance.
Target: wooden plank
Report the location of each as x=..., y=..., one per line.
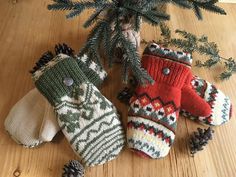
x=28, y=29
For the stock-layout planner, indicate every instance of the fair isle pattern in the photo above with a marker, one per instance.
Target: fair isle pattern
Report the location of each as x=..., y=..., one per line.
x=99, y=71
x=91, y=124
x=157, y=50
x=88, y=120
x=151, y=125
x=154, y=109
x=149, y=137
x=220, y=104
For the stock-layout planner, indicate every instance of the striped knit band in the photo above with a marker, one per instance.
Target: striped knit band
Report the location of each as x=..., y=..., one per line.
x=156, y=50
x=55, y=79
x=149, y=137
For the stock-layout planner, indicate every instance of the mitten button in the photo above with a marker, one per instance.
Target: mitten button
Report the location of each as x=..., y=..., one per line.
x=166, y=71
x=68, y=81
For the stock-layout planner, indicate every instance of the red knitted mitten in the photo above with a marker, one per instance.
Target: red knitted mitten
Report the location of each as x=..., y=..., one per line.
x=154, y=109
x=193, y=107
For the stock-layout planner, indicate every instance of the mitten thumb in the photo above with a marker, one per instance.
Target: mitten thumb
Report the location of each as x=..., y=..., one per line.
x=49, y=127
x=193, y=103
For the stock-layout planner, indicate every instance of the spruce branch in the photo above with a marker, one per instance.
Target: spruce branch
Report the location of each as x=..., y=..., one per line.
x=184, y=4
x=110, y=16
x=132, y=60
x=191, y=43
x=92, y=19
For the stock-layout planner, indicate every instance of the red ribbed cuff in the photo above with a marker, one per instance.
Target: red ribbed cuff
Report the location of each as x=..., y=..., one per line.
x=165, y=71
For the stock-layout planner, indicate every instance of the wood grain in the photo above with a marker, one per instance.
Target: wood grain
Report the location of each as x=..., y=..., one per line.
x=28, y=29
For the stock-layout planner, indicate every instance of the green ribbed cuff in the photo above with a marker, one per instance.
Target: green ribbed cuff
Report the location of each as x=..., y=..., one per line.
x=58, y=78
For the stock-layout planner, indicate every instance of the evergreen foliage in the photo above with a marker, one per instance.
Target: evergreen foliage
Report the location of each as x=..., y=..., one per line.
x=110, y=15
x=191, y=43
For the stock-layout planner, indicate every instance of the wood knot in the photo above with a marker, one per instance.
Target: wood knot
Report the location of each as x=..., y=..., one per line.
x=17, y=173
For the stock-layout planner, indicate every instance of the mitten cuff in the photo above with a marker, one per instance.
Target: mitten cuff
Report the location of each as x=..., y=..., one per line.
x=149, y=138
x=58, y=77
x=94, y=72
x=165, y=71
x=177, y=56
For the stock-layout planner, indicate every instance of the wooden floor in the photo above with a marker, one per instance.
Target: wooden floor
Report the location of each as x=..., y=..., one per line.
x=27, y=29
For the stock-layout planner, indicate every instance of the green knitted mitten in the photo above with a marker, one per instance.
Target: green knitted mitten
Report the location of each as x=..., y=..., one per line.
x=87, y=119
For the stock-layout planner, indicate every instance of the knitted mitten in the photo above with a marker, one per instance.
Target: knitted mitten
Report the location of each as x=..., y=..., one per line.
x=196, y=105
x=221, y=107
x=87, y=119
x=32, y=120
x=154, y=109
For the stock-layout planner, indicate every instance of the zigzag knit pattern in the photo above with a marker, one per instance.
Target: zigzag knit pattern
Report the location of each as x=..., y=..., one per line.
x=151, y=125
x=95, y=134
x=220, y=104
x=154, y=109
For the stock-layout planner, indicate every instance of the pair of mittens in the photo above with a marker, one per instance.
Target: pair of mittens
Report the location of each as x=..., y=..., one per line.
x=154, y=109
x=32, y=120
x=88, y=120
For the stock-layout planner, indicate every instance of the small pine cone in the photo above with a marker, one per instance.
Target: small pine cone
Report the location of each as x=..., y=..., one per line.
x=64, y=49
x=200, y=139
x=125, y=95
x=73, y=169
x=45, y=58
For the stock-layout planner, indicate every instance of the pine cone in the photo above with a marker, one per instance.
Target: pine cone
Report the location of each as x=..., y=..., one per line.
x=45, y=58
x=200, y=139
x=125, y=95
x=64, y=49
x=73, y=169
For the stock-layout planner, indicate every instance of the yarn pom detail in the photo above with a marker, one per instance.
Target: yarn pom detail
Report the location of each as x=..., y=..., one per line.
x=73, y=169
